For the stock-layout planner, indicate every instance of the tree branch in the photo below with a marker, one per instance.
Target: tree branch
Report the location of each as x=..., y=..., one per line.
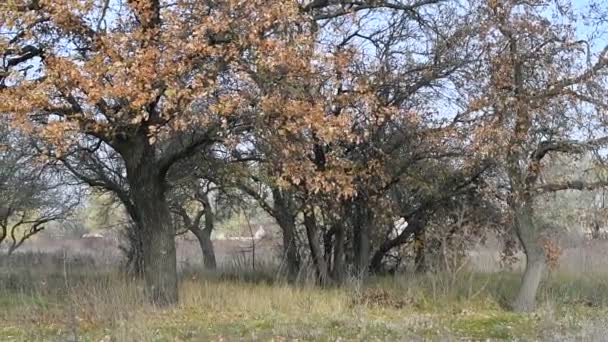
x=346, y=7
x=567, y=146
x=178, y=151
x=570, y=185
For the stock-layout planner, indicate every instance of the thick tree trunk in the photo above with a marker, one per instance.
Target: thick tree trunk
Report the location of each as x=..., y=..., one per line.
x=147, y=189
x=526, y=297
x=134, y=250
x=286, y=221
x=159, y=252
x=315, y=249
x=529, y=236
x=290, y=248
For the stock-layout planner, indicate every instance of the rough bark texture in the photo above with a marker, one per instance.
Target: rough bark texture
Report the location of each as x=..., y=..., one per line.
x=134, y=251
x=148, y=193
x=529, y=236
x=160, y=272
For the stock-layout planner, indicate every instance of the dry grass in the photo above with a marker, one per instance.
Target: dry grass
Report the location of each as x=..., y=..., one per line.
x=74, y=304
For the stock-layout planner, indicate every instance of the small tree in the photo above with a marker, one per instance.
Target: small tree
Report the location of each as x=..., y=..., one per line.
x=30, y=194
x=195, y=207
x=545, y=95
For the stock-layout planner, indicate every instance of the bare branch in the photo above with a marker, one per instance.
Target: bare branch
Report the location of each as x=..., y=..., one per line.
x=346, y=7
x=179, y=150
x=568, y=146
x=571, y=185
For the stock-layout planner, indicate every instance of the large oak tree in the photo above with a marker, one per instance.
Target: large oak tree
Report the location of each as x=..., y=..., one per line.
x=153, y=81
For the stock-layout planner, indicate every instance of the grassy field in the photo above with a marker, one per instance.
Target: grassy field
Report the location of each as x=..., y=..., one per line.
x=70, y=305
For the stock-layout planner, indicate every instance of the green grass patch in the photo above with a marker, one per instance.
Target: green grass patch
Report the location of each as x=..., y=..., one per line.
x=469, y=307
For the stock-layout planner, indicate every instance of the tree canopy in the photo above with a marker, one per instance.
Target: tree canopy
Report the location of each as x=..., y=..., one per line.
x=336, y=117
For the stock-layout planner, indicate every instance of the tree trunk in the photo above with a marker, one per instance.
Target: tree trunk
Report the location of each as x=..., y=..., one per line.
x=414, y=225
x=147, y=188
x=328, y=246
x=419, y=252
x=204, y=235
x=204, y=239
x=526, y=297
x=529, y=236
x=361, y=237
x=286, y=221
x=160, y=270
x=291, y=250
x=339, y=271
x=159, y=252
x=315, y=249
x=133, y=250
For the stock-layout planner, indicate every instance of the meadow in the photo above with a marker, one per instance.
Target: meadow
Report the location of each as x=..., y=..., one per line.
x=55, y=300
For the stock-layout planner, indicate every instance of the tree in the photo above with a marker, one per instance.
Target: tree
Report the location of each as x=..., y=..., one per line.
x=103, y=212
x=387, y=97
x=433, y=193
x=153, y=81
x=201, y=224
x=545, y=95
x=283, y=206
x=380, y=93
x=198, y=204
x=30, y=194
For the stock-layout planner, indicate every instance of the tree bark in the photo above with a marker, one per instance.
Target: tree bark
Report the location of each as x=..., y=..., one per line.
x=328, y=246
x=362, y=219
x=419, y=251
x=159, y=252
x=286, y=221
x=526, y=297
x=315, y=249
x=290, y=248
x=339, y=271
x=203, y=235
x=529, y=237
x=204, y=239
x=134, y=265
x=147, y=188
